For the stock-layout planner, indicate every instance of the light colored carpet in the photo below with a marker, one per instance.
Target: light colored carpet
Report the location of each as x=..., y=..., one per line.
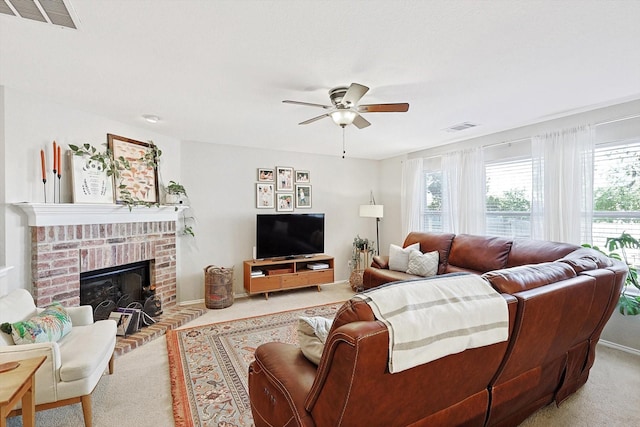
x=138, y=393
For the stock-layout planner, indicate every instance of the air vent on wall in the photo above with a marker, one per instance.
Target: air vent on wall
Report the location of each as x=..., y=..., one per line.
x=55, y=12
x=461, y=126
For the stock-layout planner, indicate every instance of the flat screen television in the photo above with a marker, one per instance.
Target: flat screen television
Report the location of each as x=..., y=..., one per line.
x=289, y=235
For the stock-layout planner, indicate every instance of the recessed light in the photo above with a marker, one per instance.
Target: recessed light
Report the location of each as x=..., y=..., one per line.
x=151, y=118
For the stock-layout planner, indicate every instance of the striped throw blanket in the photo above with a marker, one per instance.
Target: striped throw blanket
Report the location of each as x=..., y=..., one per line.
x=432, y=318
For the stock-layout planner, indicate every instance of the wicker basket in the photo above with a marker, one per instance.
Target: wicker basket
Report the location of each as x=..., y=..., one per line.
x=218, y=286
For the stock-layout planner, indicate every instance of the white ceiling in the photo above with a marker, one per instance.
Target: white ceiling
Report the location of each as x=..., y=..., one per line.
x=217, y=71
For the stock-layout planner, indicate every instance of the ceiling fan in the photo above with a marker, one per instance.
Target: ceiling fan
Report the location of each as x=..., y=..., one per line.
x=345, y=109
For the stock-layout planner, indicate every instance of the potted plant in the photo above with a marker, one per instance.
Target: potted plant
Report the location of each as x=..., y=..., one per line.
x=627, y=304
x=174, y=192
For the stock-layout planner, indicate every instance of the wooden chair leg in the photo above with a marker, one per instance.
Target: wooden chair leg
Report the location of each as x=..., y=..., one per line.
x=86, y=410
x=111, y=363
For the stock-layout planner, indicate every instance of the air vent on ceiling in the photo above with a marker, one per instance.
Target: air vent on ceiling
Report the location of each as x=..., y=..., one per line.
x=461, y=126
x=53, y=12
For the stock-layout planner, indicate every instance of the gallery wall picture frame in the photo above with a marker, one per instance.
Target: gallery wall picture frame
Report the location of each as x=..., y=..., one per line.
x=264, y=196
x=141, y=180
x=284, y=178
x=302, y=176
x=90, y=182
x=284, y=202
x=265, y=174
x=303, y=196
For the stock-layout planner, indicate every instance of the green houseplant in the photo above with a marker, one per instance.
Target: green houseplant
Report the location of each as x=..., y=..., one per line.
x=627, y=304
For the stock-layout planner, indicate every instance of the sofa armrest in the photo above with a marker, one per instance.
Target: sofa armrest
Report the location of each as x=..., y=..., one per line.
x=51, y=350
x=380, y=261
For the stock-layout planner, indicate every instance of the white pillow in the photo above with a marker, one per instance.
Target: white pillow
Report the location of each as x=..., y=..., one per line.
x=399, y=257
x=312, y=334
x=425, y=265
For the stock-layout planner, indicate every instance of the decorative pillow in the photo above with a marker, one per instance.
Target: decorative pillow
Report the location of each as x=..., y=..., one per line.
x=312, y=334
x=49, y=326
x=425, y=265
x=399, y=257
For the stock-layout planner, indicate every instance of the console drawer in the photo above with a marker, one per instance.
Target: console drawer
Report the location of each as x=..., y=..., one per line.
x=320, y=277
x=267, y=283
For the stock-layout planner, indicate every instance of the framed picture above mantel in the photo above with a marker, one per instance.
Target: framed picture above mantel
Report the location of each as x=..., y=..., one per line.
x=140, y=180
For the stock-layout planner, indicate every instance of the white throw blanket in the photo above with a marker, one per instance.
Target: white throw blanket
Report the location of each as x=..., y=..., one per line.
x=432, y=318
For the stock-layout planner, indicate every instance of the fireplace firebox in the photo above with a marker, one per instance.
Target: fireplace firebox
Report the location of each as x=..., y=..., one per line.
x=122, y=285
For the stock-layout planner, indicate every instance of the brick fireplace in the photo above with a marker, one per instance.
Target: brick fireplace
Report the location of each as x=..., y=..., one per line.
x=64, y=243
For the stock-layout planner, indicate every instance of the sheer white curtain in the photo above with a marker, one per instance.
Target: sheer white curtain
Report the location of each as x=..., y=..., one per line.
x=412, y=195
x=463, y=192
x=562, y=200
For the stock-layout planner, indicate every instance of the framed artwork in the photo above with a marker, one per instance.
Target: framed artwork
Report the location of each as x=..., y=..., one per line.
x=90, y=181
x=302, y=177
x=284, y=202
x=140, y=181
x=303, y=196
x=265, y=175
x=284, y=178
x=264, y=196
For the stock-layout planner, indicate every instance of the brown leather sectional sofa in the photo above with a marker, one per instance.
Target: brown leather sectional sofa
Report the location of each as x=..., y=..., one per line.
x=559, y=298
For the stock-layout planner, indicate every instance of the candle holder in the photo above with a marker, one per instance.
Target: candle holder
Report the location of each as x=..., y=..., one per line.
x=44, y=184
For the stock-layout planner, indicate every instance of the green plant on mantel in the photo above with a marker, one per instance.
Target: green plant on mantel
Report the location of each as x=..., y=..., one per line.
x=176, y=189
x=114, y=166
x=627, y=304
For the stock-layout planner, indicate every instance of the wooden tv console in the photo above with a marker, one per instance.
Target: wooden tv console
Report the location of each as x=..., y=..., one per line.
x=282, y=274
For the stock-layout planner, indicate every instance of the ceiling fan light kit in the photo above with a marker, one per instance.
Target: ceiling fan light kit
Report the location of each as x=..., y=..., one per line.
x=345, y=109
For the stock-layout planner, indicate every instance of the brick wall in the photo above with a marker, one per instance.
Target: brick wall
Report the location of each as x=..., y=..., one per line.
x=60, y=253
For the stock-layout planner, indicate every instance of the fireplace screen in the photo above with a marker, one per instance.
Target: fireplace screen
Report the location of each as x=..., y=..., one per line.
x=122, y=285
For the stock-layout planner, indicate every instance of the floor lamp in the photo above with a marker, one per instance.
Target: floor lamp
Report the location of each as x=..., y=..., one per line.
x=373, y=211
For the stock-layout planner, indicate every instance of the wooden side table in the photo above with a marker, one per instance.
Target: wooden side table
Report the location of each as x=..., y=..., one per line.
x=16, y=384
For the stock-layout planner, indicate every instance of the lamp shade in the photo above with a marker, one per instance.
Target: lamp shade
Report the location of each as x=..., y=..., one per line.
x=372, y=211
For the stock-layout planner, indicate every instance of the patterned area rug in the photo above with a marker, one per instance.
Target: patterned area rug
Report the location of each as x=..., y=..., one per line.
x=208, y=365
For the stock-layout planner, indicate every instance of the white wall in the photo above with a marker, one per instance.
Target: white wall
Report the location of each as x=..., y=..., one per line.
x=220, y=180
x=32, y=123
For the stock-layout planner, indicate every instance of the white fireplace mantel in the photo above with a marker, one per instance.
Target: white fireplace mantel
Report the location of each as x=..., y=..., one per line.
x=44, y=214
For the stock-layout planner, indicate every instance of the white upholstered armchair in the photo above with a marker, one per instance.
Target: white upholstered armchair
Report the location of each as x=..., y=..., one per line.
x=74, y=364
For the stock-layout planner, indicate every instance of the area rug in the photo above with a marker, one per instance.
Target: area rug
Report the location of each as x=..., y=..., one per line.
x=208, y=365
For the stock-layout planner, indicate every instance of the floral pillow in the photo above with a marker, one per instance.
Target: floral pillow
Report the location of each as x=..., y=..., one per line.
x=49, y=326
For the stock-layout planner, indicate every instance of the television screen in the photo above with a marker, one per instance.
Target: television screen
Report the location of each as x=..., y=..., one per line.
x=284, y=235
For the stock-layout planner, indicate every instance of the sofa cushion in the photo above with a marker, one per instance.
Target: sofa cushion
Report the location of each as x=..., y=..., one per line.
x=479, y=253
x=312, y=334
x=424, y=265
x=49, y=326
x=429, y=242
x=84, y=348
x=399, y=257
x=527, y=251
x=526, y=277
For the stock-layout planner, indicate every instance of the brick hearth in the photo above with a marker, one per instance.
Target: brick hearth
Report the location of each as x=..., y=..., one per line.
x=170, y=319
x=61, y=252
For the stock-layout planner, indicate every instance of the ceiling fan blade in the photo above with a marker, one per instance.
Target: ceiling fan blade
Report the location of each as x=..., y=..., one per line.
x=360, y=122
x=384, y=108
x=315, y=119
x=354, y=93
x=308, y=104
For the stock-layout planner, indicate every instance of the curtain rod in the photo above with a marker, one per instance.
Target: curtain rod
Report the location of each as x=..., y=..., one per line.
x=635, y=116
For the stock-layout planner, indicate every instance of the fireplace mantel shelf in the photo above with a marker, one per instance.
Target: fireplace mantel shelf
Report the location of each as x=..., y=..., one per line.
x=45, y=214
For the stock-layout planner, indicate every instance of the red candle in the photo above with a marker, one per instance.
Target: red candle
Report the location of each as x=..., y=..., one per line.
x=55, y=162
x=59, y=162
x=44, y=169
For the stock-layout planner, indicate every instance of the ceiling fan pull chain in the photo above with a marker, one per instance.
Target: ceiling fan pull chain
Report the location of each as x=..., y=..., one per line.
x=343, y=150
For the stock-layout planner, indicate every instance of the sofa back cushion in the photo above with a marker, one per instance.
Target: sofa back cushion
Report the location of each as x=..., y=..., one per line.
x=478, y=253
x=527, y=251
x=526, y=277
x=430, y=242
x=14, y=307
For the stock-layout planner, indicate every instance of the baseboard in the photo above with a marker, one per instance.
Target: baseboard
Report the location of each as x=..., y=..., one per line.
x=619, y=347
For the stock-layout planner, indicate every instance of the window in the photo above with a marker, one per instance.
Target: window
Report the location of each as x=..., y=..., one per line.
x=433, y=201
x=508, y=202
x=616, y=193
